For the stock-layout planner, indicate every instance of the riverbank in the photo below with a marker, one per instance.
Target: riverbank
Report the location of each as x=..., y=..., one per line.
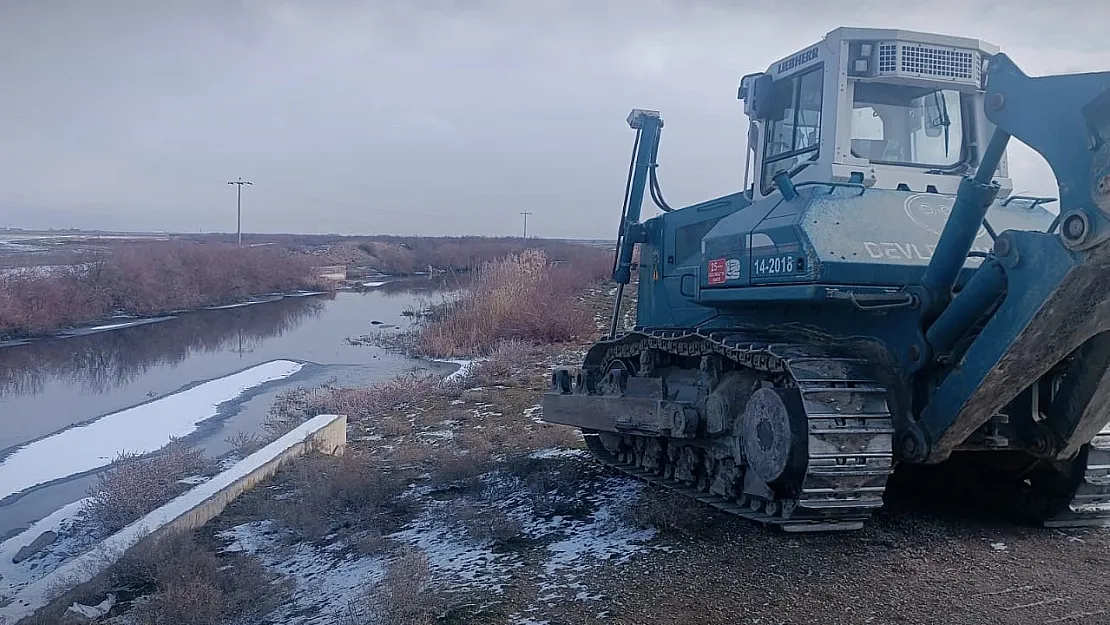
x=144, y=281
x=53, y=388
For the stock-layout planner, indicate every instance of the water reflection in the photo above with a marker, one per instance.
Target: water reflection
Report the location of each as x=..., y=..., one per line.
x=97, y=363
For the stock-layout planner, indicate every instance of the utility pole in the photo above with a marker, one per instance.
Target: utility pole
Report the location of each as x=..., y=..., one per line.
x=239, y=207
x=525, y=213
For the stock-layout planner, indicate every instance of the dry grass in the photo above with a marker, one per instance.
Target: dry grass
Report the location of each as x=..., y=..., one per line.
x=670, y=513
x=407, y=255
x=188, y=584
x=405, y=597
x=486, y=523
x=383, y=403
x=146, y=279
x=524, y=297
x=134, y=485
x=331, y=493
x=244, y=444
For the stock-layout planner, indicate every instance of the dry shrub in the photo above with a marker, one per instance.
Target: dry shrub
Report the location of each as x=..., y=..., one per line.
x=342, y=492
x=378, y=401
x=552, y=436
x=553, y=487
x=459, y=470
x=191, y=585
x=405, y=596
x=244, y=444
x=486, y=523
x=407, y=255
x=669, y=512
x=146, y=279
x=475, y=442
x=135, y=485
x=508, y=361
x=523, y=297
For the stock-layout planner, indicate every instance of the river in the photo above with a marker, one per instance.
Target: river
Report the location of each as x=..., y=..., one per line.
x=64, y=393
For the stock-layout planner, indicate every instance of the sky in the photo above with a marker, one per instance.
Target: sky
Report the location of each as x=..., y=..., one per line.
x=420, y=117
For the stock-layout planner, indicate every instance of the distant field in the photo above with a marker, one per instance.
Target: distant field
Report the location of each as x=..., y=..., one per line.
x=26, y=248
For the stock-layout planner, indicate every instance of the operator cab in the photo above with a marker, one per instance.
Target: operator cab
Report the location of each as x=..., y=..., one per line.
x=889, y=109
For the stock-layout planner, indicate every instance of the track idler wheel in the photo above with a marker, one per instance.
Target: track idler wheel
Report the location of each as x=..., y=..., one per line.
x=773, y=435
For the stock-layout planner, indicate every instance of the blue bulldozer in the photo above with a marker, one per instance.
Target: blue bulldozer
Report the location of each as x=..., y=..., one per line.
x=876, y=295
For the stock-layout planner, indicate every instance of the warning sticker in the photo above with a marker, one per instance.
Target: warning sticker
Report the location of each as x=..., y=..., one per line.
x=717, y=270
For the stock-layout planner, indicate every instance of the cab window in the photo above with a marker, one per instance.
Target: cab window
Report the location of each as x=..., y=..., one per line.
x=794, y=127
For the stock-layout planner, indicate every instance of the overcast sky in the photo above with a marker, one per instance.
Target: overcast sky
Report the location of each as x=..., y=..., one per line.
x=419, y=117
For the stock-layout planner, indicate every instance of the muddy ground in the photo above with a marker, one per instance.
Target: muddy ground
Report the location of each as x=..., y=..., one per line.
x=513, y=523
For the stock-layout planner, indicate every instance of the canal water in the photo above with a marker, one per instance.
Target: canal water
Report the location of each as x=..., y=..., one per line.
x=63, y=389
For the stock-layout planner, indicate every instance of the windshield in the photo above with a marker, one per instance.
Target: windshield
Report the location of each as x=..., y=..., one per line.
x=903, y=125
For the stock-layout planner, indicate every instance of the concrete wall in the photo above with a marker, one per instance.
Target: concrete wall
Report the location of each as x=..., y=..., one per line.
x=330, y=438
x=325, y=433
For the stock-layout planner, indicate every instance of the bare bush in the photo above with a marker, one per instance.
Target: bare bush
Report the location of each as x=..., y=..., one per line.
x=668, y=512
x=135, y=485
x=460, y=470
x=244, y=444
x=146, y=279
x=347, y=491
x=554, y=488
x=552, y=436
x=487, y=523
x=523, y=297
x=405, y=596
x=407, y=255
x=508, y=361
x=189, y=584
x=377, y=403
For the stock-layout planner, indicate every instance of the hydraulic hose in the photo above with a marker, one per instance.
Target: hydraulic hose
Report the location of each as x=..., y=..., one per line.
x=653, y=180
x=624, y=205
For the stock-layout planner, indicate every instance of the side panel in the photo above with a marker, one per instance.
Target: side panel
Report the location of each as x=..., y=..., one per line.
x=725, y=261
x=843, y=236
x=671, y=261
x=651, y=310
x=887, y=237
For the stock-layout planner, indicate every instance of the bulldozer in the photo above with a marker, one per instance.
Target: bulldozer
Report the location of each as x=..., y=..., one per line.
x=876, y=296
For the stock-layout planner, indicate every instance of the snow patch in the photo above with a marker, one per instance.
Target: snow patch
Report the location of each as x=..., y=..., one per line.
x=326, y=580
x=553, y=452
x=461, y=372
x=531, y=412
x=14, y=577
x=141, y=429
x=85, y=566
x=453, y=557
x=374, y=285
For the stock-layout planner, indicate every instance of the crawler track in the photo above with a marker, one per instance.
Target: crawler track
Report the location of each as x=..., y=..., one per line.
x=1090, y=505
x=848, y=435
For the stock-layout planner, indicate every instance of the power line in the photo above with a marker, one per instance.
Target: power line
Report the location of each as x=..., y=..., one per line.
x=525, y=213
x=239, y=207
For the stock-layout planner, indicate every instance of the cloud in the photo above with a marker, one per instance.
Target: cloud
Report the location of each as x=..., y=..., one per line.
x=430, y=117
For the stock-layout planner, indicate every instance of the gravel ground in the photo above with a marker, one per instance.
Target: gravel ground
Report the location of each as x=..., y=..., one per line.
x=908, y=566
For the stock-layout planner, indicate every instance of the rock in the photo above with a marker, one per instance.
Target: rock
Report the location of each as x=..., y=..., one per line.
x=44, y=540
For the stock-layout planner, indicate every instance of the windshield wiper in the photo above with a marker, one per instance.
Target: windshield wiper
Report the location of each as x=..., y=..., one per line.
x=942, y=110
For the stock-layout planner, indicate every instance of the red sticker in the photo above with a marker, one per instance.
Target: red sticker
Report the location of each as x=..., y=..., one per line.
x=717, y=270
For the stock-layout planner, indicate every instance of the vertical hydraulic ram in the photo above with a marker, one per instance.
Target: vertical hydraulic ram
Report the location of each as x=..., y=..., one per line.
x=647, y=124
